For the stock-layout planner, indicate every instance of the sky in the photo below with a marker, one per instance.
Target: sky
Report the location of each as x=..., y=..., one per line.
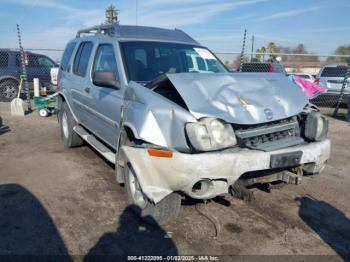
x=322, y=25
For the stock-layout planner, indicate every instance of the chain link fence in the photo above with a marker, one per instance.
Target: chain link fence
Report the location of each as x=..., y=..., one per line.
x=39, y=62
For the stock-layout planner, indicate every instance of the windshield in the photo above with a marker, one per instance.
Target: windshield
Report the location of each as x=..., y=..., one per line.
x=146, y=61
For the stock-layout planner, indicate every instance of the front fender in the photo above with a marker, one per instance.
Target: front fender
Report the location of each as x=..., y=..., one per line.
x=156, y=119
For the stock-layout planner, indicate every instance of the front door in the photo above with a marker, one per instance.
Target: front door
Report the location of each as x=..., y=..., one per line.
x=106, y=100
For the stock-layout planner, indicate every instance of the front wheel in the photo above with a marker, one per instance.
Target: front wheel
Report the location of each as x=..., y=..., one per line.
x=8, y=90
x=164, y=212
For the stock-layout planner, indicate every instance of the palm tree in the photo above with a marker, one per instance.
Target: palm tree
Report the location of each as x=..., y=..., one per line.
x=261, y=51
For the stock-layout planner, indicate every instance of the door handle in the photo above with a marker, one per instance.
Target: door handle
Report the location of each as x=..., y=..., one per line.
x=87, y=89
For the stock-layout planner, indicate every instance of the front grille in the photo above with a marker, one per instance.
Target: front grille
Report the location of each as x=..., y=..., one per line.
x=269, y=136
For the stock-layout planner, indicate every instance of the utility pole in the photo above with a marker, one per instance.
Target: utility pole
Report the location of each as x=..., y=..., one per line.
x=137, y=12
x=24, y=69
x=243, y=48
x=253, y=39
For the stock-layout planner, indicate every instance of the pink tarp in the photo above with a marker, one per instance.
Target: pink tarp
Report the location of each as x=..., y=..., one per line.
x=310, y=89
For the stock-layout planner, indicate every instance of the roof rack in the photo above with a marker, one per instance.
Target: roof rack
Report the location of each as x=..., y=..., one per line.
x=98, y=29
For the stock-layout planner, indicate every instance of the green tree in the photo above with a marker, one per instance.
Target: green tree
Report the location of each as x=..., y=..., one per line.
x=341, y=50
x=272, y=48
x=262, y=51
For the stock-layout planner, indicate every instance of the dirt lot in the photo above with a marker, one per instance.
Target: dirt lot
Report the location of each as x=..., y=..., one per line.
x=58, y=201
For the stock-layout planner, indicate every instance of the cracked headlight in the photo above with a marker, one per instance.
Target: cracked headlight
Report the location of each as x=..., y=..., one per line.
x=316, y=127
x=210, y=134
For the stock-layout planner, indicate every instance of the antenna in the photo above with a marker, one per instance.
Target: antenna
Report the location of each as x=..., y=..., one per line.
x=137, y=11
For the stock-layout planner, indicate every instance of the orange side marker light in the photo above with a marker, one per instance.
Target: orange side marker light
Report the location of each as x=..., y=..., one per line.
x=160, y=153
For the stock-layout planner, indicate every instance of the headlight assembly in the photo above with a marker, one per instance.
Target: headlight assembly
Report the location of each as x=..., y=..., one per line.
x=210, y=134
x=316, y=127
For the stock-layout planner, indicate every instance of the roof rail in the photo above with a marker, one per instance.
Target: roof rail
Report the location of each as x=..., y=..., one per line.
x=98, y=29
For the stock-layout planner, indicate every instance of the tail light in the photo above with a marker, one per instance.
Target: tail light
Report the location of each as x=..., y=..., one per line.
x=271, y=69
x=238, y=69
x=317, y=81
x=59, y=79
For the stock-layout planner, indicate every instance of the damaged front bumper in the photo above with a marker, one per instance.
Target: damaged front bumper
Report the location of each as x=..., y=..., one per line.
x=206, y=175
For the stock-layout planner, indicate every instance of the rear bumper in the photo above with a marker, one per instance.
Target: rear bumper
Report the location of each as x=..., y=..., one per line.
x=159, y=177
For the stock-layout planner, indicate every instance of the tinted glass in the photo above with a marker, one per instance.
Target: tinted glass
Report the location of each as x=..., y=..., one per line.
x=255, y=67
x=82, y=59
x=339, y=71
x=45, y=62
x=67, y=55
x=200, y=63
x=147, y=60
x=31, y=62
x=4, y=59
x=105, y=59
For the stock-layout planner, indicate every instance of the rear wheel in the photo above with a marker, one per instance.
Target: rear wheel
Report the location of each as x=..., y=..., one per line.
x=8, y=90
x=164, y=212
x=67, y=122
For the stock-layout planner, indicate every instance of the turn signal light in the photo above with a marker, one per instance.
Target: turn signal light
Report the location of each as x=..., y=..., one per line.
x=160, y=153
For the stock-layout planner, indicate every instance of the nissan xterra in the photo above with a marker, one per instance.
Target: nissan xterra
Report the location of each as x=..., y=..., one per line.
x=176, y=122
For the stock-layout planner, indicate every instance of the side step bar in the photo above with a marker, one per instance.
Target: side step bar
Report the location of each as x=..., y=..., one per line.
x=101, y=148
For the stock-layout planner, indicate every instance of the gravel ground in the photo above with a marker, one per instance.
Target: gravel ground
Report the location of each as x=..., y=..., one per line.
x=57, y=201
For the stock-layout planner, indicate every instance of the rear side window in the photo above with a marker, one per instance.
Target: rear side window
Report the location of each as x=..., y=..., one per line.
x=255, y=67
x=4, y=59
x=339, y=71
x=82, y=58
x=67, y=55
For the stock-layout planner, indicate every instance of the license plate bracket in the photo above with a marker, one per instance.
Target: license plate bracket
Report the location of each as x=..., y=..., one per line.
x=286, y=159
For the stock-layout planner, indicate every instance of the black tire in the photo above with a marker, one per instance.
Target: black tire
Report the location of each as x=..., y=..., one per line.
x=162, y=213
x=69, y=137
x=8, y=90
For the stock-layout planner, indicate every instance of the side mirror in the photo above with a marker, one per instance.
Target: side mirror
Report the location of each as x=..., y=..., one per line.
x=105, y=79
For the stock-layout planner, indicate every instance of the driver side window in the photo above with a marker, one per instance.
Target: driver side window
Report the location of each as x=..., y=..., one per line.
x=105, y=59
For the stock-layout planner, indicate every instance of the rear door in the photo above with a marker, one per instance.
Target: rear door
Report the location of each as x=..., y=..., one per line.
x=106, y=101
x=80, y=94
x=4, y=64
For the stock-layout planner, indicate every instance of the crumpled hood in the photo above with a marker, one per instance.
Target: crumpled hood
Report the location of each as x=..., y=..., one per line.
x=240, y=98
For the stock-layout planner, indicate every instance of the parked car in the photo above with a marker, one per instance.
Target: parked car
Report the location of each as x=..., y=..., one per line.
x=174, y=127
x=10, y=70
x=258, y=67
x=331, y=77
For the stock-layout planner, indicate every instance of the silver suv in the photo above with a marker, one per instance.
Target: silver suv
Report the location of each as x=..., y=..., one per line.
x=176, y=123
x=332, y=78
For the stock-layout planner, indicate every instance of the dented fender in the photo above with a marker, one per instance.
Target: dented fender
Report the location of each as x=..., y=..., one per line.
x=155, y=119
